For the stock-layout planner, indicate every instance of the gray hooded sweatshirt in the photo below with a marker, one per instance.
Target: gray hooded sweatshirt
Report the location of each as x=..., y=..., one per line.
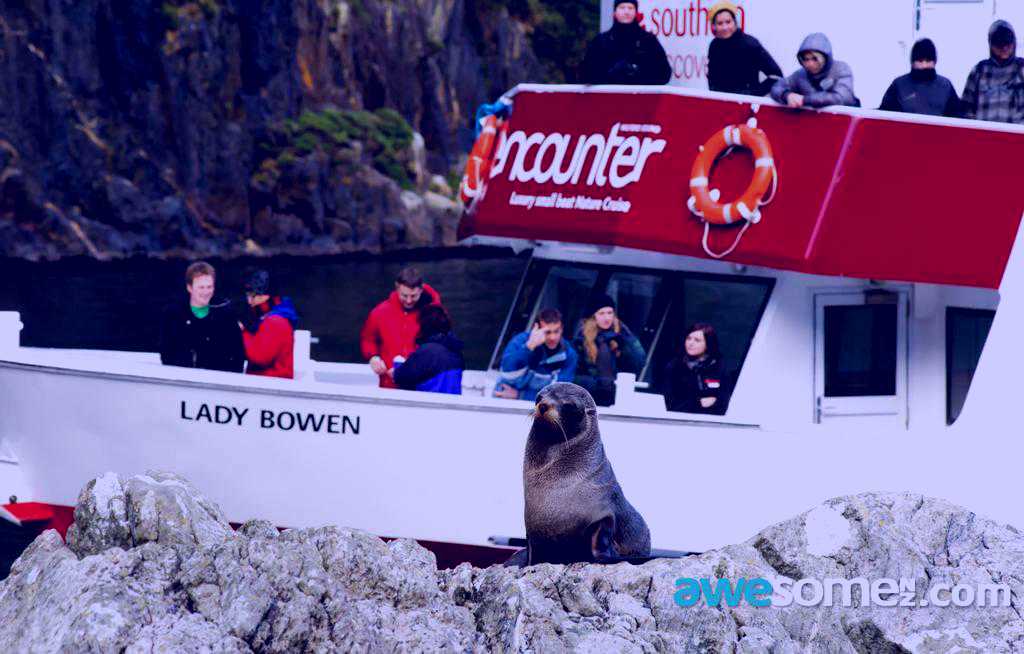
x=832, y=86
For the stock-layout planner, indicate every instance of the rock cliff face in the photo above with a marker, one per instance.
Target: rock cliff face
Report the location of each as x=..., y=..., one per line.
x=151, y=565
x=171, y=127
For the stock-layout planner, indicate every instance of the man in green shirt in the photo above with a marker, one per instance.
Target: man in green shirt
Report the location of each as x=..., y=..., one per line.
x=198, y=334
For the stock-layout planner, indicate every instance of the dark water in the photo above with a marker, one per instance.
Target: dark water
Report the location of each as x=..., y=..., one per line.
x=117, y=305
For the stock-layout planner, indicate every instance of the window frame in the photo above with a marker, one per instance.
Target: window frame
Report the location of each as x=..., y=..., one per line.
x=670, y=290
x=951, y=313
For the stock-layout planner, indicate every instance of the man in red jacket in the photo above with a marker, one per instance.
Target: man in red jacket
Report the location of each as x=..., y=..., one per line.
x=269, y=332
x=393, y=325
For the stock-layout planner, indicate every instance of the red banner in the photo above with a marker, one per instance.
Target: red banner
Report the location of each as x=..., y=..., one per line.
x=858, y=195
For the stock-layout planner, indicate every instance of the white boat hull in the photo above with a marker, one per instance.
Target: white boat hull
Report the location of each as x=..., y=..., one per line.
x=443, y=468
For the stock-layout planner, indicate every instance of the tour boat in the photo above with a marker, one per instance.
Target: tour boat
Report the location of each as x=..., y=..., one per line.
x=881, y=282
x=864, y=272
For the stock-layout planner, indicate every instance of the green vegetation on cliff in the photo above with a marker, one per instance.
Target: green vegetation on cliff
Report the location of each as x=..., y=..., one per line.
x=560, y=31
x=382, y=138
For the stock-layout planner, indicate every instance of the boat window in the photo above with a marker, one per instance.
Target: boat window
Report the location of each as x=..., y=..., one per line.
x=567, y=289
x=547, y=284
x=966, y=331
x=860, y=350
x=639, y=295
x=733, y=306
x=636, y=295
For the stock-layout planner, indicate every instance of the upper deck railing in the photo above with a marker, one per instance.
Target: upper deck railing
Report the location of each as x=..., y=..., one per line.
x=860, y=193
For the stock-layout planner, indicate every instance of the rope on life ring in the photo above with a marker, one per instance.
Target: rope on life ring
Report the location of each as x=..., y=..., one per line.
x=478, y=166
x=704, y=201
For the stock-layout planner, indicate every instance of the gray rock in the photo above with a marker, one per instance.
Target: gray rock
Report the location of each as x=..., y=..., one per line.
x=157, y=507
x=153, y=566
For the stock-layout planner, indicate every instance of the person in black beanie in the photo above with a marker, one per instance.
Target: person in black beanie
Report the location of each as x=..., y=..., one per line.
x=606, y=347
x=626, y=54
x=922, y=90
x=736, y=60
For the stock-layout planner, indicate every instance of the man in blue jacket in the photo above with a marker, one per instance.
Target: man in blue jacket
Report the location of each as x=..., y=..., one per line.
x=536, y=358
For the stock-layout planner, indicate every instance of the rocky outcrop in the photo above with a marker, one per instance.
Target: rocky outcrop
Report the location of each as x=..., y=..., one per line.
x=173, y=127
x=152, y=566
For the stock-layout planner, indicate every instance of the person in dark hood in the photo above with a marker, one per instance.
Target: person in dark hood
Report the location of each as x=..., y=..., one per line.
x=199, y=332
x=922, y=90
x=269, y=329
x=693, y=380
x=626, y=54
x=821, y=81
x=995, y=87
x=436, y=365
x=736, y=60
x=607, y=347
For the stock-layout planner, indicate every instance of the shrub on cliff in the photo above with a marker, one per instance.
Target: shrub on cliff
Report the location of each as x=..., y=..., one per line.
x=381, y=139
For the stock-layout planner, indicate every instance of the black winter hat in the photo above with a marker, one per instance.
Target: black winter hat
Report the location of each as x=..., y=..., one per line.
x=626, y=2
x=258, y=283
x=598, y=302
x=923, y=50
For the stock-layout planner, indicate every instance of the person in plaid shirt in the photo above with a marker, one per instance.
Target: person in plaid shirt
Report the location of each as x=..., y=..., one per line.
x=995, y=88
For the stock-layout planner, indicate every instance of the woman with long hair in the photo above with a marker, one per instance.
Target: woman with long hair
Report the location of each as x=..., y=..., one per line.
x=607, y=347
x=693, y=379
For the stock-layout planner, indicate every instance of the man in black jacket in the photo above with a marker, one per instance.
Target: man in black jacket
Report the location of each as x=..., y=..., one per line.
x=626, y=54
x=197, y=334
x=923, y=91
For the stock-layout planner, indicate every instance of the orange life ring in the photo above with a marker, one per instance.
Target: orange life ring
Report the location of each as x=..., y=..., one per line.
x=478, y=166
x=704, y=202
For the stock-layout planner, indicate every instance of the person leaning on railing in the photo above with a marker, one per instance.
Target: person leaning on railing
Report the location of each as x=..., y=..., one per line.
x=626, y=54
x=736, y=60
x=821, y=81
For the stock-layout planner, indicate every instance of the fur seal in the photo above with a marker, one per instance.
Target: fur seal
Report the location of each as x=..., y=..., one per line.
x=575, y=508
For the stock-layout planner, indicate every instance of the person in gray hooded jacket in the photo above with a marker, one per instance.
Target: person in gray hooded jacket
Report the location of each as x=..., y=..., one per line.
x=821, y=80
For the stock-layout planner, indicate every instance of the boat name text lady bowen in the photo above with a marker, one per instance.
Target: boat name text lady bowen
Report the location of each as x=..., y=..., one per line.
x=328, y=423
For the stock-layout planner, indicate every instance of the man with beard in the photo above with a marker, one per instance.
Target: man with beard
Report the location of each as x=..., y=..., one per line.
x=201, y=334
x=626, y=54
x=393, y=325
x=995, y=88
x=923, y=90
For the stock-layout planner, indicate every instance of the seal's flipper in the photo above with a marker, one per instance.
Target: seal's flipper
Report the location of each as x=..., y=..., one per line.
x=602, y=539
x=519, y=560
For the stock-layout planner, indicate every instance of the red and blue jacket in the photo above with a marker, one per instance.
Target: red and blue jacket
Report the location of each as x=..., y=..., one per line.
x=436, y=366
